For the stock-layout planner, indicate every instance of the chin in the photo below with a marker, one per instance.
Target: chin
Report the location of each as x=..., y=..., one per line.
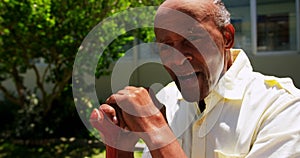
x=190, y=94
x=190, y=98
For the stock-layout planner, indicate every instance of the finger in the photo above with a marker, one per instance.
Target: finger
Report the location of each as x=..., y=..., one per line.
x=95, y=115
x=96, y=118
x=122, y=123
x=125, y=92
x=136, y=89
x=111, y=100
x=110, y=112
x=130, y=88
x=101, y=121
x=116, y=100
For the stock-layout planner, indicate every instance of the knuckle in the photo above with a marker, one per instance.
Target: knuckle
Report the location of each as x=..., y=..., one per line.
x=128, y=87
x=106, y=108
x=142, y=89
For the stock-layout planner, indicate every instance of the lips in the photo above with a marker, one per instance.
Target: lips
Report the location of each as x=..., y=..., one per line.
x=187, y=76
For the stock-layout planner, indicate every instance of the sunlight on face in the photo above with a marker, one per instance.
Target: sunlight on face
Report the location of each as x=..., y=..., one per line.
x=190, y=51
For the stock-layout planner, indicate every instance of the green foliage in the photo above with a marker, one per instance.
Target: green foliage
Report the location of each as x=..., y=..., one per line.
x=52, y=31
x=56, y=148
x=52, y=148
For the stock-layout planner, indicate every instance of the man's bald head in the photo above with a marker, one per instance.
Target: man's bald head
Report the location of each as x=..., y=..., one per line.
x=200, y=10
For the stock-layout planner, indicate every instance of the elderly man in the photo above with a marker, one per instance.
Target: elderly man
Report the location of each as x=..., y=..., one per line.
x=221, y=107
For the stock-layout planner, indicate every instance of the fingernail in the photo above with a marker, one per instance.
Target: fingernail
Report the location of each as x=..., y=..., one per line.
x=115, y=120
x=126, y=129
x=95, y=115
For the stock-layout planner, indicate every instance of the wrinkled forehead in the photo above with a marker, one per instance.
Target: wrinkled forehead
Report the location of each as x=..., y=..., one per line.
x=181, y=14
x=198, y=9
x=176, y=21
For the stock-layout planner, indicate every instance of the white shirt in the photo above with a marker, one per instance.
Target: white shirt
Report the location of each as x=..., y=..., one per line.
x=247, y=115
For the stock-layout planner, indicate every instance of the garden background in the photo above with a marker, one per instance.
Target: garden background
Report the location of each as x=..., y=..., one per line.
x=40, y=39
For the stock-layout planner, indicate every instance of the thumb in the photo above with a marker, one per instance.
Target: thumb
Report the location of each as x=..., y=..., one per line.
x=96, y=117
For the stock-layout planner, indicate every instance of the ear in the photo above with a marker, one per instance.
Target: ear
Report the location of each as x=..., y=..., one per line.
x=229, y=36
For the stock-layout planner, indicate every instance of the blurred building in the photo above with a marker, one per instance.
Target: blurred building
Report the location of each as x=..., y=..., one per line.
x=268, y=31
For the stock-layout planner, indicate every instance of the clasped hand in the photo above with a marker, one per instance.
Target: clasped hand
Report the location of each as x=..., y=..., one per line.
x=126, y=116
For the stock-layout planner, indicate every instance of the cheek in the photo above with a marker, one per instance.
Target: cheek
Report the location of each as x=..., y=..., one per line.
x=220, y=43
x=212, y=59
x=170, y=72
x=218, y=49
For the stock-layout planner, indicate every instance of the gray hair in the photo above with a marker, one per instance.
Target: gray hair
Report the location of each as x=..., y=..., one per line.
x=222, y=16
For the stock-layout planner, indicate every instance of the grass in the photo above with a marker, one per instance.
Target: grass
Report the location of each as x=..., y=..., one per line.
x=75, y=149
x=137, y=154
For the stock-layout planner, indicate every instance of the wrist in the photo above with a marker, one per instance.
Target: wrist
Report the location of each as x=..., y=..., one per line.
x=142, y=124
x=158, y=138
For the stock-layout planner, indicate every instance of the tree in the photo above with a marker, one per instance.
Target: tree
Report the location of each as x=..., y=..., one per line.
x=52, y=30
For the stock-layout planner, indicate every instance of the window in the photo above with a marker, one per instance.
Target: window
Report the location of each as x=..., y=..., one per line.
x=241, y=19
x=273, y=32
x=276, y=25
x=266, y=26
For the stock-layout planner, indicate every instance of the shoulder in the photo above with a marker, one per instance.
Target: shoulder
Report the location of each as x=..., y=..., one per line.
x=271, y=86
x=269, y=99
x=277, y=108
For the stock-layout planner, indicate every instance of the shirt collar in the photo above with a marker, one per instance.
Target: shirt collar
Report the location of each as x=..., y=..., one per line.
x=233, y=83
x=231, y=86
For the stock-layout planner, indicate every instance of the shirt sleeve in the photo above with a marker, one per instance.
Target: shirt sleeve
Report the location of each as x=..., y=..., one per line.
x=279, y=134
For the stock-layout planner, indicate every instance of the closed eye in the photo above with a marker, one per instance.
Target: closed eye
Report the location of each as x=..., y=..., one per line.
x=193, y=38
x=163, y=46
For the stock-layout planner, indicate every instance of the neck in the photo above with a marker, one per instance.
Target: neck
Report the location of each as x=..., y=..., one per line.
x=202, y=105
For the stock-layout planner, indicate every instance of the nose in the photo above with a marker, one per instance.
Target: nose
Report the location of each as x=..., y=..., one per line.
x=176, y=53
x=179, y=57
